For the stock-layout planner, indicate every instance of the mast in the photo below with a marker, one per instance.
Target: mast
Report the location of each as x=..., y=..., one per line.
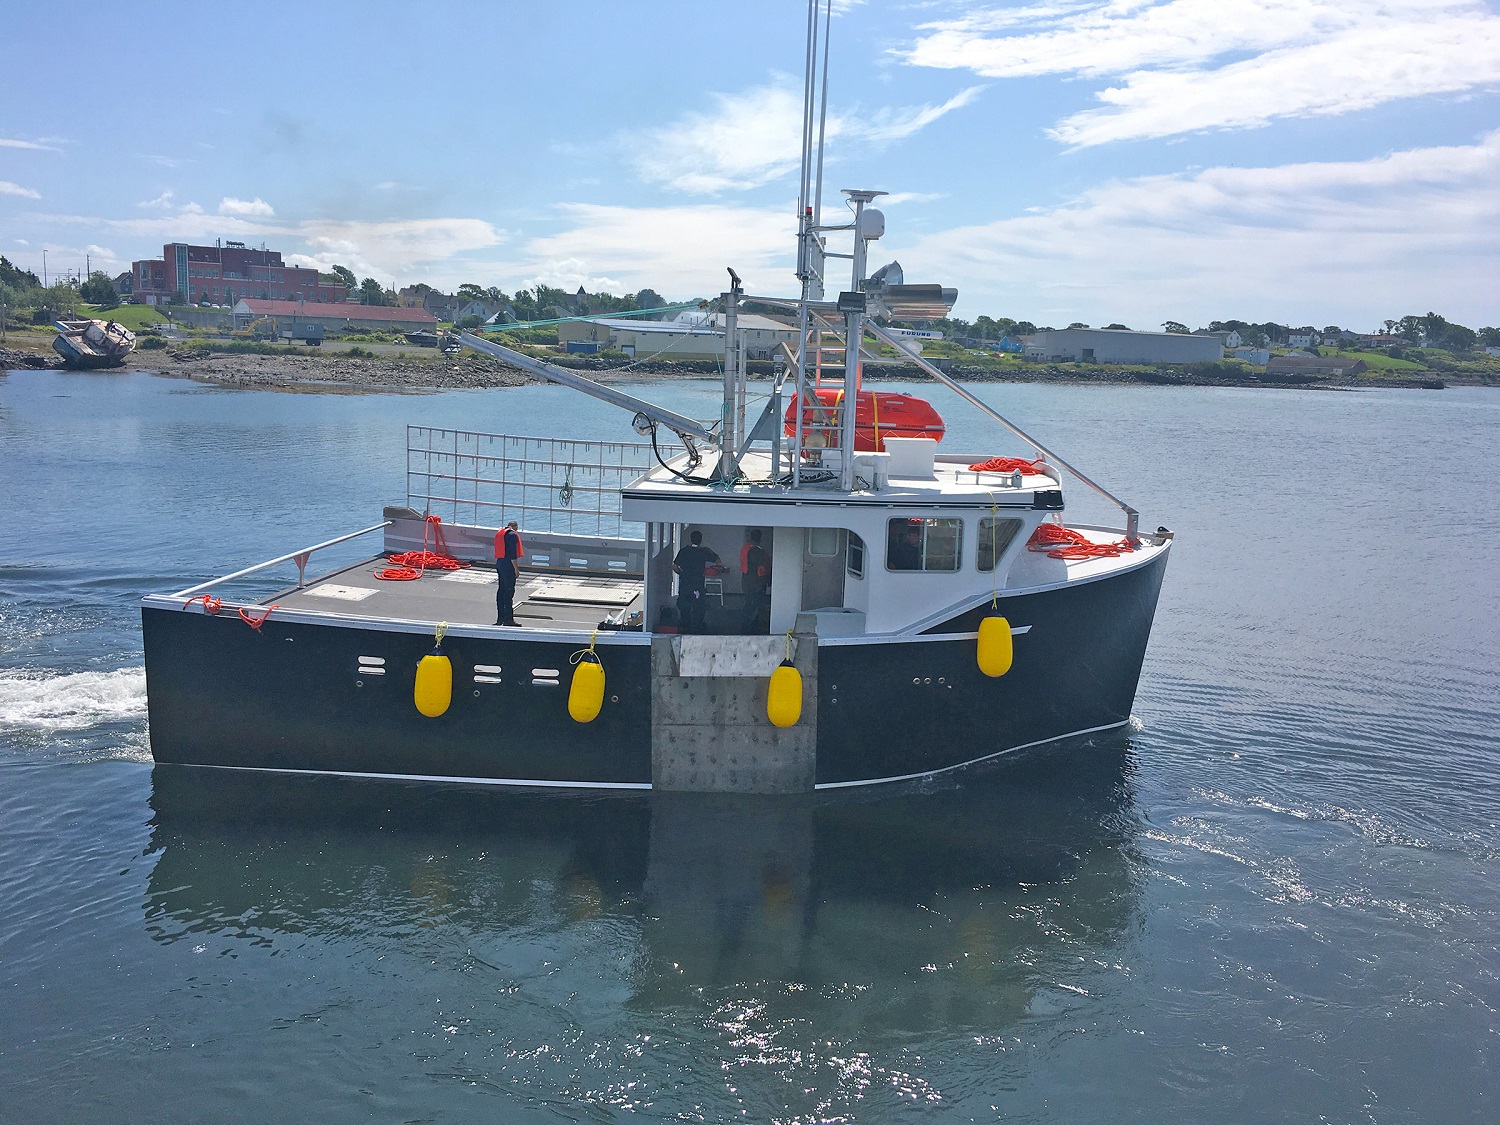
x=731, y=421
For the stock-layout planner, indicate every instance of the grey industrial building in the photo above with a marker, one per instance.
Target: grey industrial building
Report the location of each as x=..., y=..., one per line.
x=1118, y=345
x=696, y=339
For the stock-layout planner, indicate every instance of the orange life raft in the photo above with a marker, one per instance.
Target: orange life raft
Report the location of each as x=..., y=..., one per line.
x=877, y=416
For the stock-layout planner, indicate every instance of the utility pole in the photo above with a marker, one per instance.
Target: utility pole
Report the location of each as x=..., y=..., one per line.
x=44, y=269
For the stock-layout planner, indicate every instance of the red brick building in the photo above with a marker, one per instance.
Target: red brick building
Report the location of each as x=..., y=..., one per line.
x=224, y=274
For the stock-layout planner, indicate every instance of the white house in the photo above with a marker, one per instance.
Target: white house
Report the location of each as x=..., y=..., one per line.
x=1257, y=357
x=1230, y=339
x=1302, y=339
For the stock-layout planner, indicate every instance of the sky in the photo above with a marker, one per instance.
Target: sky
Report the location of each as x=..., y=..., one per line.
x=1099, y=161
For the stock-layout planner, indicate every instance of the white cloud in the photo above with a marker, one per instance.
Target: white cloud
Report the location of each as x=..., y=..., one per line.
x=1347, y=243
x=12, y=142
x=165, y=161
x=397, y=248
x=253, y=208
x=401, y=249
x=679, y=251
x=162, y=202
x=1183, y=64
x=8, y=188
x=896, y=198
x=754, y=137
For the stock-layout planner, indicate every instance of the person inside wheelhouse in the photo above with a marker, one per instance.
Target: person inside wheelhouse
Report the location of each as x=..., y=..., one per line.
x=923, y=544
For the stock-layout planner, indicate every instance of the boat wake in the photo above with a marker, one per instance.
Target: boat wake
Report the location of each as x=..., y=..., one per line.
x=51, y=701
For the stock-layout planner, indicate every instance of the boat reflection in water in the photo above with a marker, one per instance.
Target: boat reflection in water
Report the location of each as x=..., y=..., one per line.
x=992, y=879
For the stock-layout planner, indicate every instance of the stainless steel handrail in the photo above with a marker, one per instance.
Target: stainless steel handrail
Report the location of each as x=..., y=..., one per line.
x=299, y=557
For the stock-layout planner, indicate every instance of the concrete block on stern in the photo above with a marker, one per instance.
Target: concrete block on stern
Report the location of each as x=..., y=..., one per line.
x=709, y=730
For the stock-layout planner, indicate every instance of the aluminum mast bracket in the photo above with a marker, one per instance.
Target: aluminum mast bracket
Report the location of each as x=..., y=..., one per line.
x=685, y=428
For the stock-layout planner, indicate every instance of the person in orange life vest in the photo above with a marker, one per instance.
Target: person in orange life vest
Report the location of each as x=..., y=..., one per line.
x=755, y=582
x=691, y=564
x=508, y=550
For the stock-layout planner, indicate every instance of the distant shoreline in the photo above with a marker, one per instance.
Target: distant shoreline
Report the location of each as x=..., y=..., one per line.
x=335, y=373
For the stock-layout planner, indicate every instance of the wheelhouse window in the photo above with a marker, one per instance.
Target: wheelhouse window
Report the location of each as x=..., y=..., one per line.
x=928, y=545
x=995, y=535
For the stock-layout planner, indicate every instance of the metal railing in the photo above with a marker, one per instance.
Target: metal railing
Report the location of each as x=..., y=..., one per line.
x=549, y=484
x=299, y=557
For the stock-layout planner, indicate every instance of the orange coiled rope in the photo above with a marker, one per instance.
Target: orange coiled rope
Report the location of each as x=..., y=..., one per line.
x=1007, y=465
x=411, y=564
x=211, y=604
x=1059, y=542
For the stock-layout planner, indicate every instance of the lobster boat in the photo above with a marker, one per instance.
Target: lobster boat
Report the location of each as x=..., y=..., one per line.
x=911, y=611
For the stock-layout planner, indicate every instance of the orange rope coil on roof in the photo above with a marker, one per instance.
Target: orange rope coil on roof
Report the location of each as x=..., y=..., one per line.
x=1007, y=465
x=1059, y=542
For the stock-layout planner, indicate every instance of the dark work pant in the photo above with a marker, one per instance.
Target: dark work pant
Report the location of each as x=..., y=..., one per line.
x=755, y=602
x=690, y=607
x=505, y=593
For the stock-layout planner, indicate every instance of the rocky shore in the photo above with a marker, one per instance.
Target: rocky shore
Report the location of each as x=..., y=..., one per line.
x=331, y=371
x=12, y=360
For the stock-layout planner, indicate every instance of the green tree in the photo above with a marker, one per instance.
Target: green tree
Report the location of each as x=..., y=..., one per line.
x=1177, y=328
x=468, y=291
x=371, y=292
x=649, y=299
x=13, y=277
x=1117, y=327
x=1490, y=337
x=99, y=290
x=61, y=298
x=345, y=275
x=1078, y=324
x=1461, y=339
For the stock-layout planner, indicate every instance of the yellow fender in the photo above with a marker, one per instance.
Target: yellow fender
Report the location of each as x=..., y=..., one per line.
x=784, y=696
x=434, y=687
x=995, y=649
x=586, y=692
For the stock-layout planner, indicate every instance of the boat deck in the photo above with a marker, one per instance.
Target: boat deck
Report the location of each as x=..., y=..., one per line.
x=466, y=597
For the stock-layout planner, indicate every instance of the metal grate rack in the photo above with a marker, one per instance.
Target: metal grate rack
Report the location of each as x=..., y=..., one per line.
x=550, y=484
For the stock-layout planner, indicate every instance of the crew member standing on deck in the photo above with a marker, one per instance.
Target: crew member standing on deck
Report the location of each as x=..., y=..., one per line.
x=508, y=552
x=755, y=580
x=691, y=565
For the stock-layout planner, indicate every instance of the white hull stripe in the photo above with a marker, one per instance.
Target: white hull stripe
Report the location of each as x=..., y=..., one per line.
x=972, y=761
x=517, y=783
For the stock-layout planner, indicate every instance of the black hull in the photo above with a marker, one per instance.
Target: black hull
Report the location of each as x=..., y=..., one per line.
x=290, y=696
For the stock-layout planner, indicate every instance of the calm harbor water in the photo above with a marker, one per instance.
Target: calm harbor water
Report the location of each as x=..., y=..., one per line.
x=1275, y=900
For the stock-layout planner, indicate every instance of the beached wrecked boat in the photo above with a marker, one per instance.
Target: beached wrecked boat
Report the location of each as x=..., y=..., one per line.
x=93, y=343
x=927, y=610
